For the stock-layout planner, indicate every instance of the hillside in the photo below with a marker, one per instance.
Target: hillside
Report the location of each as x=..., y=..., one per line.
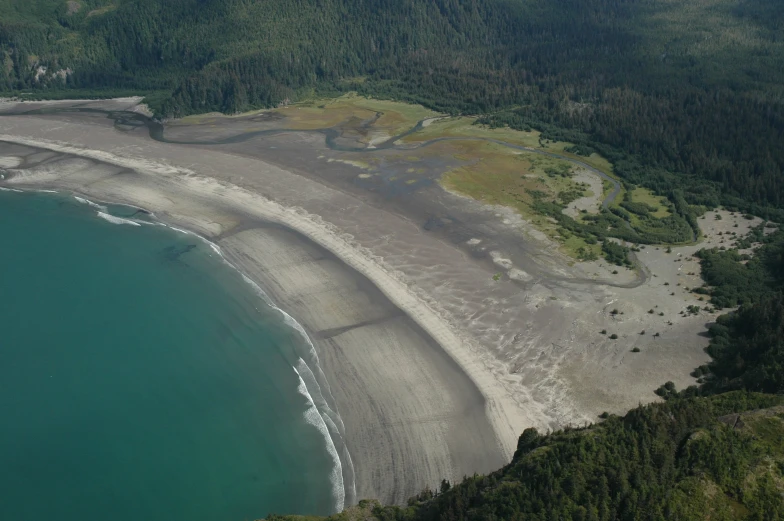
x=717, y=458
x=674, y=93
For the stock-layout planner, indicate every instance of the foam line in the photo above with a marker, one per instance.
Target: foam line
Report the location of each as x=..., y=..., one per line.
x=116, y=220
x=313, y=417
x=88, y=202
x=327, y=417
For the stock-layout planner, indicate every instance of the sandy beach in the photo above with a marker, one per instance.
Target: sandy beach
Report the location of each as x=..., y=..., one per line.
x=412, y=415
x=434, y=365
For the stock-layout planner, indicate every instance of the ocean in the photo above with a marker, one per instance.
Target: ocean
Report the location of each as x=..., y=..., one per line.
x=143, y=378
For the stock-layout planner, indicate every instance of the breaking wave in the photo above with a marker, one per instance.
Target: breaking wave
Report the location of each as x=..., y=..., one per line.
x=90, y=203
x=116, y=220
x=312, y=385
x=313, y=417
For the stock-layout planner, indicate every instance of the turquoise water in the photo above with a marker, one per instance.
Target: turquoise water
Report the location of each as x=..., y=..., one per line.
x=142, y=379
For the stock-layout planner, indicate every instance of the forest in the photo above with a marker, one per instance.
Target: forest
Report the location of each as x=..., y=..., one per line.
x=747, y=348
x=676, y=94
x=674, y=461
x=733, y=278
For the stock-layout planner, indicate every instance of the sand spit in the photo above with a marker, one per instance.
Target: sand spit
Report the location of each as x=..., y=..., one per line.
x=414, y=414
x=444, y=326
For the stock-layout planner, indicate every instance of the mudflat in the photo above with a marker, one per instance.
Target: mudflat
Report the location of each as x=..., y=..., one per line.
x=444, y=325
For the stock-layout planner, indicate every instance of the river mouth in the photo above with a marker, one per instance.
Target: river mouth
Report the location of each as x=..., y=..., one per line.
x=267, y=136
x=127, y=121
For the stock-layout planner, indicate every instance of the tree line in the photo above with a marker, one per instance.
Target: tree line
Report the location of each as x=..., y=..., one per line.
x=671, y=104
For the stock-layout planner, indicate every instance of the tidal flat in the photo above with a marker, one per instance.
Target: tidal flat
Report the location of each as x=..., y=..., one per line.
x=445, y=324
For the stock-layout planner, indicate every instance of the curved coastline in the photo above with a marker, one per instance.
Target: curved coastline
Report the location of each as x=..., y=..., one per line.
x=323, y=414
x=196, y=190
x=429, y=358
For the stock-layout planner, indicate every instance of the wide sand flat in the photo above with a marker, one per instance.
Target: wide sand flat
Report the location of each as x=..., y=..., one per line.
x=412, y=415
x=434, y=366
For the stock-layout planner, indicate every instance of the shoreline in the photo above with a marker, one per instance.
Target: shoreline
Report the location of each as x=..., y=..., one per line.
x=445, y=326
x=210, y=377
x=308, y=228
x=330, y=424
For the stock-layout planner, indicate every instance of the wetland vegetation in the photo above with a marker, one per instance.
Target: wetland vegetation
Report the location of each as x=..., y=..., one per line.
x=690, y=65
x=536, y=177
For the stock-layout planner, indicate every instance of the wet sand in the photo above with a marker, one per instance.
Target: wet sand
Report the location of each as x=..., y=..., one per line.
x=405, y=386
x=435, y=366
